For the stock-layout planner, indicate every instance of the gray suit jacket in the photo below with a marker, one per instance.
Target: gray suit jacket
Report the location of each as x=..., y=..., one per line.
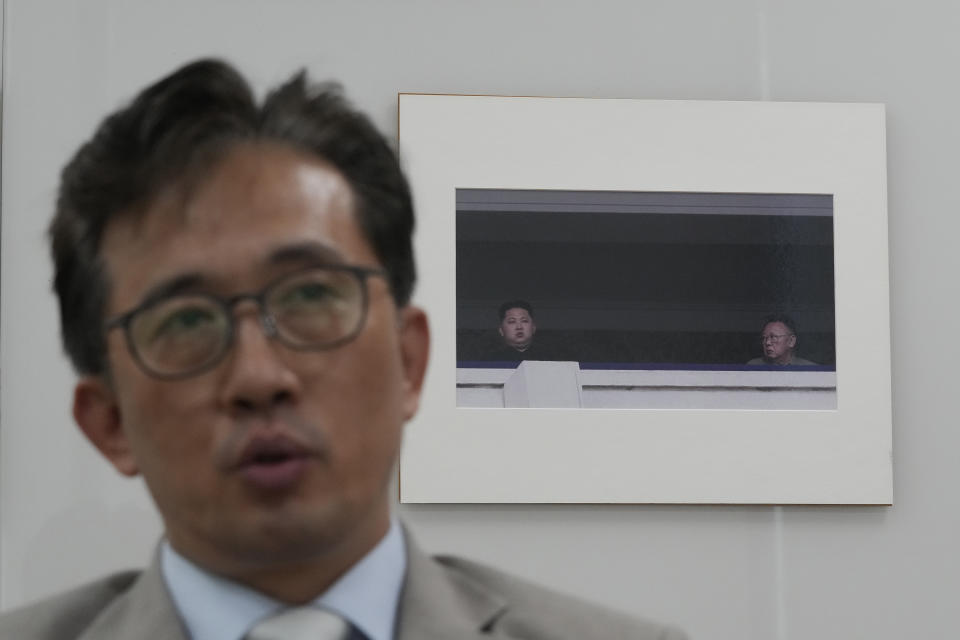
x=442, y=599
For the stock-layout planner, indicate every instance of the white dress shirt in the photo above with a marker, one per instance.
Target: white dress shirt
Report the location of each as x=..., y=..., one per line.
x=215, y=608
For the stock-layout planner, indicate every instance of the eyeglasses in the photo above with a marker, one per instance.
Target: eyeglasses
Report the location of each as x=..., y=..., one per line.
x=311, y=310
x=773, y=337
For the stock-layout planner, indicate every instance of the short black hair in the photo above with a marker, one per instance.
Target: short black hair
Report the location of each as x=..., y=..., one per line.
x=783, y=319
x=173, y=133
x=515, y=304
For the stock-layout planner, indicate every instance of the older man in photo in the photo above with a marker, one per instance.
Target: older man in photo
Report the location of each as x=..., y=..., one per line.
x=778, y=339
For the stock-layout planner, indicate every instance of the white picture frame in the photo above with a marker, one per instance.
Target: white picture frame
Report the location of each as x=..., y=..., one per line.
x=712, y=456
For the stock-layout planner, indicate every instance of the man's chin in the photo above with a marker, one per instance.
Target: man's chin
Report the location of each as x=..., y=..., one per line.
x=287, y=542
x=277, y=534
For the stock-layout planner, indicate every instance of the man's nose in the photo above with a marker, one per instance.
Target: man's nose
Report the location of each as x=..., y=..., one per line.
x=258, y=378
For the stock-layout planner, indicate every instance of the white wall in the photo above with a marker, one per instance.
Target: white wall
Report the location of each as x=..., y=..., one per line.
x=737, y=573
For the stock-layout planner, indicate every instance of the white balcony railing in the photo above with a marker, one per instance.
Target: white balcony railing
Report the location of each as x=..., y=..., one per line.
x=564, y=384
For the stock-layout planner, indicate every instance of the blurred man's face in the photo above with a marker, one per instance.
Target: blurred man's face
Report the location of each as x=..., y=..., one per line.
x=517, y=328
x=778, y=343
x=274, y=456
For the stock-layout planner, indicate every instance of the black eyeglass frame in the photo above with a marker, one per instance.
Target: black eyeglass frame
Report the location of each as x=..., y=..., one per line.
x=267, y=321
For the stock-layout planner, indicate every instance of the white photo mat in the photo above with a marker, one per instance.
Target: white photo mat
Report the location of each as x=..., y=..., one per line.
x=475, y=455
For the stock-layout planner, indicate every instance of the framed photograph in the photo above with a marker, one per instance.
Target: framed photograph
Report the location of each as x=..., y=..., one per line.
x=640, y=301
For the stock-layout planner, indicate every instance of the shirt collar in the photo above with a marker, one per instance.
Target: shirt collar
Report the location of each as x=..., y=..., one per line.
x=214, y=608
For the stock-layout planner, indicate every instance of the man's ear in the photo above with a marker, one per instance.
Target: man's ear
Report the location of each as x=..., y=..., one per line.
x=414, y=351
x=96, y=412
x=793, y=341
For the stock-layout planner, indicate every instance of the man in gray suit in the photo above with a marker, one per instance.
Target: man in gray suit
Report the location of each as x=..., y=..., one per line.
x=234, y=281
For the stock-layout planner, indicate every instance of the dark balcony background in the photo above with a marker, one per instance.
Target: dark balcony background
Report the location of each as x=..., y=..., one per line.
x=642, y=277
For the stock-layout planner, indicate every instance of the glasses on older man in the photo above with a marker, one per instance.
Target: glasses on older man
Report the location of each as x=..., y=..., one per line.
x=183, y=335
x=775, y=338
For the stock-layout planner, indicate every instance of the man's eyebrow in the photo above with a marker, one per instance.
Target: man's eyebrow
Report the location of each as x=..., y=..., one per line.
x=306, y=252
x=302, y=252
x=182, y=283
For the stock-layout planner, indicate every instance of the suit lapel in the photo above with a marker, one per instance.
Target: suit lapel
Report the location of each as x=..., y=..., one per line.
x=436, y=604
x=145, y=612
x=439, y=605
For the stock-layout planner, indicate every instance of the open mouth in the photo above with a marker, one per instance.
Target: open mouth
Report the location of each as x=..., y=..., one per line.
x=268, y=458
x=273, y=465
